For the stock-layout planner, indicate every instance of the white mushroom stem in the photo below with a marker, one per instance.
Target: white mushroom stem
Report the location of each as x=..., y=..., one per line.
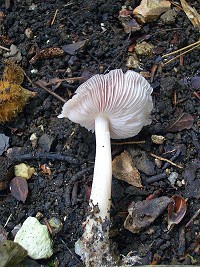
x=94, y=247
x=102, y=179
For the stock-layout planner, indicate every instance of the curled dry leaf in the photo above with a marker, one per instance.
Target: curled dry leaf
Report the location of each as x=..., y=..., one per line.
x=123, y=169
x=176, y=210
x=45, y=169
x=127, y=20
x=184, y=121
x=143, y=213
x=19, y=188
x=71, y=49
x=191, y=13
x=13, y=54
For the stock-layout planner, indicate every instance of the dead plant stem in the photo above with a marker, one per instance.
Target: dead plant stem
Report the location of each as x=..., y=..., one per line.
x=167, y=160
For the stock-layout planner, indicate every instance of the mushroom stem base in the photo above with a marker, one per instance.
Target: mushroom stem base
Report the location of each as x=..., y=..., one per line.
x=94, y=246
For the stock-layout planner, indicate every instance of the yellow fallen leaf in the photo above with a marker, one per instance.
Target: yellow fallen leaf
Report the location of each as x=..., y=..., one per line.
x=13, y=97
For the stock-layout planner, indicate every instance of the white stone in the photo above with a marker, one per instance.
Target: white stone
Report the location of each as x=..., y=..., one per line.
x=34, y=237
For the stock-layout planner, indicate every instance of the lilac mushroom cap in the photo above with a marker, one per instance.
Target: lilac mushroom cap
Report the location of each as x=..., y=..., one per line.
x=124, y=99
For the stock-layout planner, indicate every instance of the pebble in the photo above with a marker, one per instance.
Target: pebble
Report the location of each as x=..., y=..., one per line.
x=45, y=142
x=142, y=162
x=34, y=237
x=173, y=177
x=169, y=17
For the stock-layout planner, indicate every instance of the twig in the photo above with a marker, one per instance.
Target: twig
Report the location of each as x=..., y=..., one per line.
x=193, y=217
x=4, y=48
x=167, y=160
x=73, y=254
x=197, y=94
x=50, y=92
x=180, y=55
x=46, y=156
x=195, y=141
x=128, y=143
x=8, y=220
x=54, y=17
x=79, y=174
x=179, y=7
x=181, y=49
x=43, y=87
x=156, y=178
x=166, y=165
x=48, y=226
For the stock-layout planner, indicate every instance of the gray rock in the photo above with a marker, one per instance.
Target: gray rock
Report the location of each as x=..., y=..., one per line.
x=142, y=162
x=169, y=17
x=4, y=143
x=45, y=142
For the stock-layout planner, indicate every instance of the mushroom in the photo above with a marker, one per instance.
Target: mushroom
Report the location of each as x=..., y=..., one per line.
x=115, y=105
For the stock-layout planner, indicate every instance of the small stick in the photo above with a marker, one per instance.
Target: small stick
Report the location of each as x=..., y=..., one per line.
x=8, y=220
x=175, y=98
x=50, y=92
x=80, y=174
x=48, y=226
x=43, y=87
x=4, y=48
x=54, y=17
x=45, y=156
x=181, y=54
x=156, y=178
x=167, y=160
x=166, y=165
x=195, y=141
x=196, y=94
x=179, y=7
x=181, y=49
x=193, y=218
x=128, y=143
x=73, y=254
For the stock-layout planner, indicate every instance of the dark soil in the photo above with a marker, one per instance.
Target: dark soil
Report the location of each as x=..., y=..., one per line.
x=63, y=193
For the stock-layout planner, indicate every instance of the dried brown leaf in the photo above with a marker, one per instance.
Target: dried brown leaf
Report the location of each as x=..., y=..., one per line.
x=123, y=169
x=143, y=213
x=191, y=13
x=19, y=188
x=176, y=210
x=45, y=169
x=72, y=48
x=184, y=121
